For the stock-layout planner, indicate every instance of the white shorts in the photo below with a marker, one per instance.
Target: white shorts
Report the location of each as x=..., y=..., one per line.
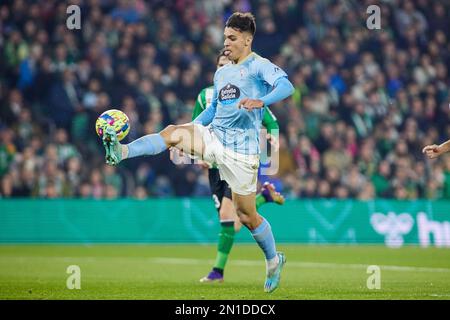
x=239, y=170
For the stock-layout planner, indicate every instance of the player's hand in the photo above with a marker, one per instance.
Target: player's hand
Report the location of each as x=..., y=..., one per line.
x=432, y=151
x=250, y=104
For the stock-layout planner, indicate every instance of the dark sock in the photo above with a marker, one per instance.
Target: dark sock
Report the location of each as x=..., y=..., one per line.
x=218, y=270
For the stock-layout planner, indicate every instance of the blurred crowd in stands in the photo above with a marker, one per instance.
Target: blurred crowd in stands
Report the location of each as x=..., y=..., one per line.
x=365, y=101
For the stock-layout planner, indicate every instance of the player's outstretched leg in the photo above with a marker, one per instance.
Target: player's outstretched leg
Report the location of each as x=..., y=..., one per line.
x=180, y=136
x=146, y=145
x=268, y=194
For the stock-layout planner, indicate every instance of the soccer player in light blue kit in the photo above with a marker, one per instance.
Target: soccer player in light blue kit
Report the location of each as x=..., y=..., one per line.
x=227, y=132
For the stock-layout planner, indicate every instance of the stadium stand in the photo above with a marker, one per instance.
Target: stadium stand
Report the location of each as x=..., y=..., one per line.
x=366, y=101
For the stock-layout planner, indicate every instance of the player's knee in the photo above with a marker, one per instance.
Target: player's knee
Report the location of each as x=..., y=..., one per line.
x=224, y=214
x=168, y=134
x=168, y=130
x=227, y=212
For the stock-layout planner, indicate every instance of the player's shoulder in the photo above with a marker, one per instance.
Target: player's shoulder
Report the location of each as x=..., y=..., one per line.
x=257, y=59
x=257, y=63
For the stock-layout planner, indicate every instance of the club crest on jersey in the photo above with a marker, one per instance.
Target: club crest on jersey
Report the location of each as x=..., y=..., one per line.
x=229, y=94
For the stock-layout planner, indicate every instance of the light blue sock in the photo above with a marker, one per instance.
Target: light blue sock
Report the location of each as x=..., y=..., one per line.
x=264, y=237
x=146, y=145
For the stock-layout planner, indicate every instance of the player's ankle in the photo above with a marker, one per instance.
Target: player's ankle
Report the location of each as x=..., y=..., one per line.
x=272, y=264
x=218, y=270
x=124, y=151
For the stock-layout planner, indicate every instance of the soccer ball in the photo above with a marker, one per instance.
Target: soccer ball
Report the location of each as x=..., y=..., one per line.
x=116, y=119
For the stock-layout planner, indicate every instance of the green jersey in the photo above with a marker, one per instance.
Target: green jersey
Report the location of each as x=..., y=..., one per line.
x=204, y=98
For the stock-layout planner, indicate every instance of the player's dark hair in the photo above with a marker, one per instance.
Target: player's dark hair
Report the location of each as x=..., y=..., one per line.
x=242, y=22
x=221, y=54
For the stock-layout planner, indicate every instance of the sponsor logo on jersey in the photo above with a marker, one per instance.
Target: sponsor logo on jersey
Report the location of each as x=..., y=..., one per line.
x=229, y=94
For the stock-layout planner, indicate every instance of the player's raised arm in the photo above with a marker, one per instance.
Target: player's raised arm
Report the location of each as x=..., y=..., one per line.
x=434, y=150
x=283, y=88
x=277, y=78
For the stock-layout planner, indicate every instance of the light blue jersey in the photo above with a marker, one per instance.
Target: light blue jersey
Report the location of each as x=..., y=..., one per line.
x=238, y=129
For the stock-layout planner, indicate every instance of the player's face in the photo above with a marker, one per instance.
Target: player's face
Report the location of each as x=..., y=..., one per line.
x=236, y=42
x=223, y=60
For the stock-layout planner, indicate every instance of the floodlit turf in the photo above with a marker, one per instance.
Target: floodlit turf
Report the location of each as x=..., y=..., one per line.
x=173, y=272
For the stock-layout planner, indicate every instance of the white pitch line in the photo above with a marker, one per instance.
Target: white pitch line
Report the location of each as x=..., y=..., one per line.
x=188, y=261
x=248, y=263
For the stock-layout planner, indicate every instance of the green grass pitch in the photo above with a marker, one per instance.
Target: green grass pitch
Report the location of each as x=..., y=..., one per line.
x=173, y=272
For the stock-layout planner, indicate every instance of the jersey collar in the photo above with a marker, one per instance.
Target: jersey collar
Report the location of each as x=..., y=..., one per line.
x=246, y=58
